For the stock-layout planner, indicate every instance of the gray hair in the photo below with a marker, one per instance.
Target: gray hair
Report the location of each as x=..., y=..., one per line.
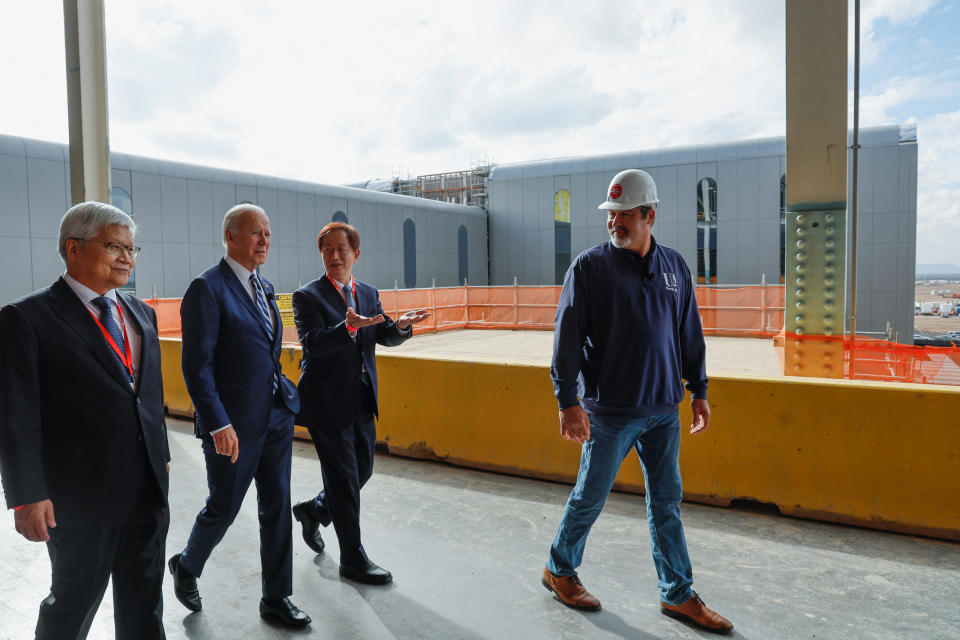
x=234, y=215
x=86, y=220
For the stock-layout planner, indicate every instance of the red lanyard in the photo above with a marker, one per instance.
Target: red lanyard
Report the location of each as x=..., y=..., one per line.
x=126, y=357
x=353, y=284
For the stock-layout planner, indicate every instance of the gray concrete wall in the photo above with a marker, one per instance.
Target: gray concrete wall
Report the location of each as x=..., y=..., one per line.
x=179, y=209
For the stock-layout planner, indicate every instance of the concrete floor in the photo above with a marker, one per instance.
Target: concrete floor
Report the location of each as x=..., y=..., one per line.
x=725, y=356
x=467, y=548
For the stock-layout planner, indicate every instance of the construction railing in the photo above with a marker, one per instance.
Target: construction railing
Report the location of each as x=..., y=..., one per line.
x=739, y=311
x=744, y=311
x=882, y=360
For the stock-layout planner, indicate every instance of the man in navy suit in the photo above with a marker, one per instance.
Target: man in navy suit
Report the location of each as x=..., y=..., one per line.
x=244, y=411
x=83, y=442
x=339, y=323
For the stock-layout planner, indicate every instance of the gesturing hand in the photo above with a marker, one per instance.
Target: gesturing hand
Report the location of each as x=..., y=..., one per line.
x=355, y=320
x=575, y=424
x=32, y=520
x=226, y=443
x=412, y=317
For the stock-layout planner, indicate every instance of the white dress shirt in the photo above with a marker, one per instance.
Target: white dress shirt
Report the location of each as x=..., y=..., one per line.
x=243, y=275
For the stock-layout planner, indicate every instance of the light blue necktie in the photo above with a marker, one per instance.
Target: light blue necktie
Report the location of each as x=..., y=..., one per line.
x=106, y=319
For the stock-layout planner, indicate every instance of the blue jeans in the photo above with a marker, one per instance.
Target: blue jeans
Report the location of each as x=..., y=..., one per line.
x=657, y=442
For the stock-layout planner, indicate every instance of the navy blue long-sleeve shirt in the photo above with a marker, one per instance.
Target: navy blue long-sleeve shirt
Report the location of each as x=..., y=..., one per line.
x=627, y=331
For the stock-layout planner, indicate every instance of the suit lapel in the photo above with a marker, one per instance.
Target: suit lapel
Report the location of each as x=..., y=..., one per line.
x=75, y=315
x=233, y=283
x=144, y=326
x=330, y=292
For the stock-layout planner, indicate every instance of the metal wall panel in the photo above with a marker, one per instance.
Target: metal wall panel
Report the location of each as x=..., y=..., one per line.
x=14, y=210
x=14, y=257
x=150, y=270
x=176, y=269
x=45, y=263
x=200, y=212
x=201, y=257
x=147, y=203
x=289, y=268
x=49, y=196
x=173, y=202
x=306, y=221
x=287, y=225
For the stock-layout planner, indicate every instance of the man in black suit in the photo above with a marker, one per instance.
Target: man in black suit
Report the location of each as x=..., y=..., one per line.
x=83, y=443
x=339, y=323
x=244, y=411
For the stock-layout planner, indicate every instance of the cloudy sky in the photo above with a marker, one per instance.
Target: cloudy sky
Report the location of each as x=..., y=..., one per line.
x=342, y=92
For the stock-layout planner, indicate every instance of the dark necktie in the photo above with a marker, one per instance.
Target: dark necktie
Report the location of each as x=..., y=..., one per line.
x=262, y=304
x=351, y=304
x=264, y=315
x=106, y=319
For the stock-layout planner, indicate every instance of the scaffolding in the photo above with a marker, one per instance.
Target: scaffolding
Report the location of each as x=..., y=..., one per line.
x=467, y=187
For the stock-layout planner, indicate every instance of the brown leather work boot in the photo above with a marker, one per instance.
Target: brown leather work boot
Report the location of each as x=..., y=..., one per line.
x=695, y=611
x=570, y=591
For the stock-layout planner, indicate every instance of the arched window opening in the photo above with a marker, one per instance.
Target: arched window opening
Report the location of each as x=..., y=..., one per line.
x=409, y=254
x=462, y=257
x=561, y=234
x=707, y=231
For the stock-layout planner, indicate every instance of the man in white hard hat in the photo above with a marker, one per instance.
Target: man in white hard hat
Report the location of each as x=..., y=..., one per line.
x=627, y=331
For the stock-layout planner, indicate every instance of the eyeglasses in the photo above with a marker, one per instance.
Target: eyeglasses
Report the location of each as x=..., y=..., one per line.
x=114, y=248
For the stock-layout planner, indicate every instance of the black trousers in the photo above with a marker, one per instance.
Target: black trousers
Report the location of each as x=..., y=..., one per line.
x=83, y=559
x=346, y=463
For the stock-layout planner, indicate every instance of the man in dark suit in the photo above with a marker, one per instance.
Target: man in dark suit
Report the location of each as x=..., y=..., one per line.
x=83, y=443
x=244, y=411
x=339, y=323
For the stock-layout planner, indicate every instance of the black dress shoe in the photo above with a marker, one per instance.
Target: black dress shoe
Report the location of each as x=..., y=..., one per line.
x=284, y=611
x=311, y=528
x=366, y=573
x=184, y=585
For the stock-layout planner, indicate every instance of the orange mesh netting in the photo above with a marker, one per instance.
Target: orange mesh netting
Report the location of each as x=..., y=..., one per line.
x=754, y=311
x=750, y=311
x=745, y=311
x=874, y=359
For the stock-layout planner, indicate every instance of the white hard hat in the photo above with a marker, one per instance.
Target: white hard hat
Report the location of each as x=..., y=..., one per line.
x=629, y=189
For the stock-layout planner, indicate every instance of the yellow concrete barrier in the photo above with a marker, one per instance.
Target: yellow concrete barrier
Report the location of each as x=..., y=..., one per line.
x=175, y=396
x=880, y=455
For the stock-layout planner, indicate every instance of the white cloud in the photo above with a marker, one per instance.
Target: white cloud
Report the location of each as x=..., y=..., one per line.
x=938, y=201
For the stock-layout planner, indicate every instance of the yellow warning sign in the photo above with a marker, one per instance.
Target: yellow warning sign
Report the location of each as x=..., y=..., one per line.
x=285, y=305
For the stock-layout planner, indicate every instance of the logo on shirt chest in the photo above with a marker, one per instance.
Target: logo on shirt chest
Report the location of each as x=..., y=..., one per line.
x=670, y=280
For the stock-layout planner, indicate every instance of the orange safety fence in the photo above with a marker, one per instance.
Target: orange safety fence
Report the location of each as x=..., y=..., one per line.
x=880, y=360
x=744, y=311
x=749, y=311
x=476, y=307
